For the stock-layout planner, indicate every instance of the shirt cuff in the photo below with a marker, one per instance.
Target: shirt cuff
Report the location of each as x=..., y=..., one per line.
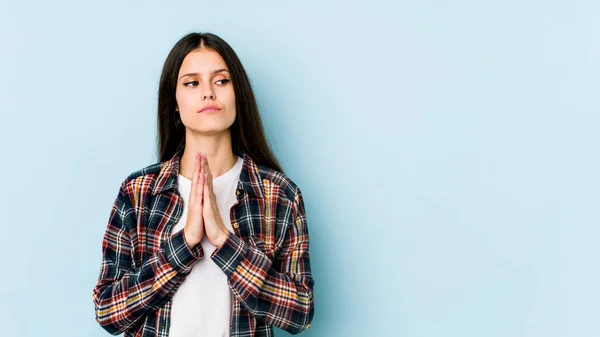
x=231, y=253
x=179, y=254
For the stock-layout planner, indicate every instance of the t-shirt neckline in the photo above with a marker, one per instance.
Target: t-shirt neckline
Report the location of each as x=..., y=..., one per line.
x=223, y=176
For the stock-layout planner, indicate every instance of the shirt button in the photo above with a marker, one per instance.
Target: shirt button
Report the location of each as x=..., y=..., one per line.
x=235, y=225
x=237, y=192
x=307, y=326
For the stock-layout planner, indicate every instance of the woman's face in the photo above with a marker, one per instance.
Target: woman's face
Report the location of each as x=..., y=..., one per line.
x=204, y=80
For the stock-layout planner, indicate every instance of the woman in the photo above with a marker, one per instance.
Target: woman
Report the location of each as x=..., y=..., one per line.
x=212, y=240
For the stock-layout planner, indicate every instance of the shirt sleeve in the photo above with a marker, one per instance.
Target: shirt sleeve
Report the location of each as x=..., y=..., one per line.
x=280, y=293
x=125, y=293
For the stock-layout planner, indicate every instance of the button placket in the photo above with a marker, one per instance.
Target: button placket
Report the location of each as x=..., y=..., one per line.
x=232, y=218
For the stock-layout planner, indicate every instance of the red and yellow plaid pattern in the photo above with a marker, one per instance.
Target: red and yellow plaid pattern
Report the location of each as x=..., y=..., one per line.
x=266, y=259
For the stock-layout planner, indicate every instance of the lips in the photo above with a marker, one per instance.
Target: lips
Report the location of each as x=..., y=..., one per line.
x=209, y=108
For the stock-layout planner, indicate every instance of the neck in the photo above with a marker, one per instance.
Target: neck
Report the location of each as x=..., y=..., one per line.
x=218, y=151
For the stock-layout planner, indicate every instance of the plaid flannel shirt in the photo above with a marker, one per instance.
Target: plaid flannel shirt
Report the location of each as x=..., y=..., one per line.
x=266, y=259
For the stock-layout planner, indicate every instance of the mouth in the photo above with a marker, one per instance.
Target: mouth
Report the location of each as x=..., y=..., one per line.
x=209, y=109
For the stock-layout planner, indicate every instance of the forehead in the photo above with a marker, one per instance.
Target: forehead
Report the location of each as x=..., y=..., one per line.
x=202, y=61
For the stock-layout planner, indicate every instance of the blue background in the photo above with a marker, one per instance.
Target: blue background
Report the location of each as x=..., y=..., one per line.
x=447, y=152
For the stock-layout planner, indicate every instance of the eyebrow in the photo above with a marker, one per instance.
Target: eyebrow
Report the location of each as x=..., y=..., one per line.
x=197, y=74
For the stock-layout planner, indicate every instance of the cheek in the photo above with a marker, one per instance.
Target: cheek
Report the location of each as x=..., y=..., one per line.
x=230, y=99
x=178, y=99
x=187, y=98
x=182, y=99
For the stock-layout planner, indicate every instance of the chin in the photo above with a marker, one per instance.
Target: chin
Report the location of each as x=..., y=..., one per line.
x=208, y=130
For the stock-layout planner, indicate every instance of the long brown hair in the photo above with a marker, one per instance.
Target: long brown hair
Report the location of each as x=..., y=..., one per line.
x=247, y=132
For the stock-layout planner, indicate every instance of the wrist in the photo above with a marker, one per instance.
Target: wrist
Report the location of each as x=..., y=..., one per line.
x=223, y=238
x=188, y=241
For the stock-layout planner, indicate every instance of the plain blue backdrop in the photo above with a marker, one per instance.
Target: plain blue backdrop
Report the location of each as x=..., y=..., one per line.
x=447, y=152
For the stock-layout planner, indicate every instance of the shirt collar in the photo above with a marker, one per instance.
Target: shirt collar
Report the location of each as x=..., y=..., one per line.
x=249, y=180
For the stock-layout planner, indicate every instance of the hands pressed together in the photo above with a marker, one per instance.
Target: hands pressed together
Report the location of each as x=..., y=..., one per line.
x=203, y=216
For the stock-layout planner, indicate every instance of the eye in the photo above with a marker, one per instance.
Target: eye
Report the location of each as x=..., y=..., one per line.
x=193, y=84
x=222, y=82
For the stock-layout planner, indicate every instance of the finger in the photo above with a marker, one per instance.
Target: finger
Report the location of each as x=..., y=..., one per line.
x=202, y=166
x=208, y=201
x=213, y=197
x=206, y=166
x=200, y=190
x=209, y=174
x=195, y=177
x=200, y=202
x=201, y=174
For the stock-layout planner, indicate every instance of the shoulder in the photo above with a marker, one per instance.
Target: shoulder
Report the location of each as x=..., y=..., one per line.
x=276, y=181
x=149, y=172
x=143, y=180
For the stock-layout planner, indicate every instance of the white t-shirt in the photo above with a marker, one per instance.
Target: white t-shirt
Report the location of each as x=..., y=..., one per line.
x=202, y=304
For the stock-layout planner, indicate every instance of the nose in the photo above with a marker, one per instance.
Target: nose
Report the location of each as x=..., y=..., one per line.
x=208, y=92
